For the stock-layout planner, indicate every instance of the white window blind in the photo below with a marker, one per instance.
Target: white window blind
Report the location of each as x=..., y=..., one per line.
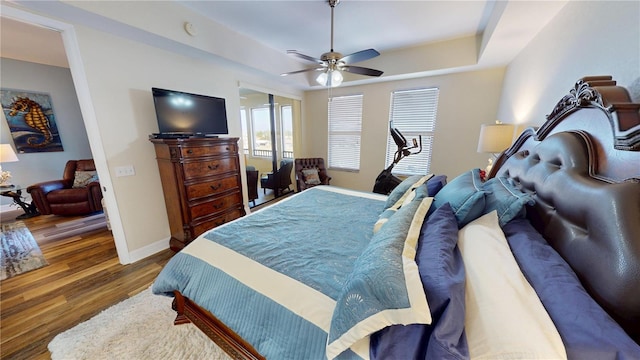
x=345, y=125
x=414, y=113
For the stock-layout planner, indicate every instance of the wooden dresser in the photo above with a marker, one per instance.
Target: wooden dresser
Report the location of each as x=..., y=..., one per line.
x=201, y=185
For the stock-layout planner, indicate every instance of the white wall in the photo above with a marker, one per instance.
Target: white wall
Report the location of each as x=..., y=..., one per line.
x=120, y=74
x=466, y=101
x=585, y=38
x=114, y=77
x=57, y=82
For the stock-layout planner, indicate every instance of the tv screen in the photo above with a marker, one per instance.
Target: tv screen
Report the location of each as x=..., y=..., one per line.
x=191, y=114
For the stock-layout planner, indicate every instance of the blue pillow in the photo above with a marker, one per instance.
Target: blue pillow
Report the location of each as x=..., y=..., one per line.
x=587, y=331
x=384, y=287
x=443, y=278
x=436, y=183
x=506, y=198
x=466, y=196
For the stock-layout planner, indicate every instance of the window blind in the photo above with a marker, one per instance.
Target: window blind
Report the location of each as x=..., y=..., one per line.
x=345, y=126
x=414, y=113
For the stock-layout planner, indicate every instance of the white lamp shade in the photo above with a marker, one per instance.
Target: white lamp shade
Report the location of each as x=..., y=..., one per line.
x=494, y=138
x=322, y=79
x=7, y=154
x=331, y=78
x=336, y=78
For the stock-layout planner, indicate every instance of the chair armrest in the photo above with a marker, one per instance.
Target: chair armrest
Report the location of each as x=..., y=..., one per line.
x=301, y=184
x=326, y=180
x=47, y=186
x=39, y=193
x=95, y=195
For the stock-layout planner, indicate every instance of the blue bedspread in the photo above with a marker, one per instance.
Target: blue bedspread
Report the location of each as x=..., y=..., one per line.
x=321, y=253
x=302, y=270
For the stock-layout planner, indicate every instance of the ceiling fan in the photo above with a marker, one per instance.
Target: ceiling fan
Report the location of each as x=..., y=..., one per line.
x=332, y=63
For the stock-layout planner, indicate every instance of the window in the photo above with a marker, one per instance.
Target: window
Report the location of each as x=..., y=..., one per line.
x=286, y=131
x=413, y=112
x=245, y=130
x=261, y=126
x=345, y=125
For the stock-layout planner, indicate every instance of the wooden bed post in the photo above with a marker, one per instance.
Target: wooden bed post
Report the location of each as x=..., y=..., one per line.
x=178, y=306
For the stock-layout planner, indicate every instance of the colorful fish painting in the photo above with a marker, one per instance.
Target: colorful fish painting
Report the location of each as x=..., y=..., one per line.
x=31, y=121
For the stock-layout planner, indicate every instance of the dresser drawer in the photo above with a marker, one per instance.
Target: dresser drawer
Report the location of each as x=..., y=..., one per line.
x=208, y=188
x=216, y=205
x=214, y=149
x=208, y=168
x=217, y=221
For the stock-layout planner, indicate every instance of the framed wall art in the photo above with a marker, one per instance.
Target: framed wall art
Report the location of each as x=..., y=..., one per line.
x=31, y=120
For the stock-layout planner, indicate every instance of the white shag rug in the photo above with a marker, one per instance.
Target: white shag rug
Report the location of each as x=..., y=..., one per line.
x=140, y=327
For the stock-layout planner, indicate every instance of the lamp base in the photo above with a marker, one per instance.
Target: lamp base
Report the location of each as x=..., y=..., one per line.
x=489, y=166
x=6, y=186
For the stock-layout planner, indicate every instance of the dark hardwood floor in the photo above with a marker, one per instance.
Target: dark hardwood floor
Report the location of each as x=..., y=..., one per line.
x=83, y=278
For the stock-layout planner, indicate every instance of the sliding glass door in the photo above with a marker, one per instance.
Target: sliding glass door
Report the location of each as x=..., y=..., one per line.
x=269, y=124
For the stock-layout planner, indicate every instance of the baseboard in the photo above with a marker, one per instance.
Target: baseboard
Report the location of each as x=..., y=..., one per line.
x=148, y=250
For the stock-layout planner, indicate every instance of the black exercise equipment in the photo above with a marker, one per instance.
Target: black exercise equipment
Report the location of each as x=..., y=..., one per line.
x=386, y=181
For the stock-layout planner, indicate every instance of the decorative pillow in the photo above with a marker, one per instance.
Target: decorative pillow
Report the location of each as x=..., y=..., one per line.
x=311, y=176
x=436, y=183
x=466, y=196
x=587, y=331
x=83, y=178
x=504, y=316
x=505, y=197
x=399, y=191
x=384, y=287
x=442, y=274
x=417, y=193
x=383, y=218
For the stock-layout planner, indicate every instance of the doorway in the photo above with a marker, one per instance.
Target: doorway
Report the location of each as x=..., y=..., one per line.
x=72, y=52
x=270, y=124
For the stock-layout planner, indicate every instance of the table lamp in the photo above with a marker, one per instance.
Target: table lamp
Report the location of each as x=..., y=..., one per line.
x=494, y=138
x=6, y=155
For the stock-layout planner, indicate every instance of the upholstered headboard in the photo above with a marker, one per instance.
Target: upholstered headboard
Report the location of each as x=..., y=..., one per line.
x=583, y=165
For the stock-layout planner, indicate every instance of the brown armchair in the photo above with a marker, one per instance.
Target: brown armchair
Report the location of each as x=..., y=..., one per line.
x=69, y=195
x=280, y=180
x=309, y=180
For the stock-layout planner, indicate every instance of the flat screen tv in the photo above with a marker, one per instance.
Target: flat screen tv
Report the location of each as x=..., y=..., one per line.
x=184, y=114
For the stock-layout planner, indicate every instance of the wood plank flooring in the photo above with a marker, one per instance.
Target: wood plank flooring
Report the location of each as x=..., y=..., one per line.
x=83, y=278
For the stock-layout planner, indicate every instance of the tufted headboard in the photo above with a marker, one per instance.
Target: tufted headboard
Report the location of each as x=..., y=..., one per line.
x=583, y=165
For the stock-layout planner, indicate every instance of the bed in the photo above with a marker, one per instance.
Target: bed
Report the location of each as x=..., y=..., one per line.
x=540, y=259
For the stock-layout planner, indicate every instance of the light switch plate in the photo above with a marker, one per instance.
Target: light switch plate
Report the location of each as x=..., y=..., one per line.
x=126, y=170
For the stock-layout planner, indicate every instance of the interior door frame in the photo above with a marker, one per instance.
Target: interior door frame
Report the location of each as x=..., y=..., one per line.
x=72, y=50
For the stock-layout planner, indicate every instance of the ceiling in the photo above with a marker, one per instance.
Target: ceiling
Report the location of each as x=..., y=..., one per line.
x=415, y=38
x=384, y=25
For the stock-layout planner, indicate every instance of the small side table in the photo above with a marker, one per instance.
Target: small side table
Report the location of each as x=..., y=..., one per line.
x=15, y=192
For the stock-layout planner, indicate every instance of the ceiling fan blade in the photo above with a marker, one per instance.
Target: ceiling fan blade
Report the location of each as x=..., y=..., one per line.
x=361, y=70
x=305, y=57
x=360, y=56
x=303, y=70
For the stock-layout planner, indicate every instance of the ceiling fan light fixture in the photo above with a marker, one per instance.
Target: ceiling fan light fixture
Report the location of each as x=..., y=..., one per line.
x=322, y=79
x=333, y=63
x=331, y=78
x=336, y=78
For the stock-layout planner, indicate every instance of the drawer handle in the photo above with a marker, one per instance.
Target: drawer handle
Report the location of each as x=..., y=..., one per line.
x=213, y=167
x=221, y=222
x=216, y=187
x=218, y=206
x=189, y=151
